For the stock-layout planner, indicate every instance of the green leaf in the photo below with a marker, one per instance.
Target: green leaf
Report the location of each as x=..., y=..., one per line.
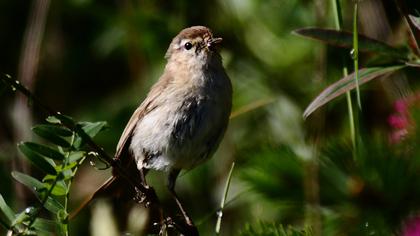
x=36, y=159
x=344, y=39
x=58, y=130
x=53, y=120
x=346, y=84
x=24, y=215
x=51, y=162
x=60, y=188
x=44, y=225
x=6, y=211
x=91, y=129
x=45, y=151
x=53, y=134
x=29, y=181
x=53, y=205
x=76, y=156
x=68, y=174
x=48, y=178
x=66, y=120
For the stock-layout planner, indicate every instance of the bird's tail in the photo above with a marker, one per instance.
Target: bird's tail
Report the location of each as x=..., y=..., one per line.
x=110, y=187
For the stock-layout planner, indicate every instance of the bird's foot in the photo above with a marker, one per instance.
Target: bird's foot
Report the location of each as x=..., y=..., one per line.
x=185, y=228
x=139, y=196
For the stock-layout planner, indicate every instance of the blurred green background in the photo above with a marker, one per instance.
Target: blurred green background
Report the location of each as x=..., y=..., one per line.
x=96, y=60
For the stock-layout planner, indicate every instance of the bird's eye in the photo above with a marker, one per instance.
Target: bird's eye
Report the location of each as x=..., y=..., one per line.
x=188, y=46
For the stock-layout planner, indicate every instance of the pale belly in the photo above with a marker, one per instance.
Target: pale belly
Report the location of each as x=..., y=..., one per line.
x=180, y=136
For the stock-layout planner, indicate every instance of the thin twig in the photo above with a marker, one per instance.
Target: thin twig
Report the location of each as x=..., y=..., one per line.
x=149, y=192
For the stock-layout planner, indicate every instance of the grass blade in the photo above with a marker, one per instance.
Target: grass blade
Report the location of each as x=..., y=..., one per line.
x=340, y=38
x=355, y=54
x=346, y=84
x=222, y=203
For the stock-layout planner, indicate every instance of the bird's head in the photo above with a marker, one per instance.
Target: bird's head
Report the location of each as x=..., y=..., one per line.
x=194, y=45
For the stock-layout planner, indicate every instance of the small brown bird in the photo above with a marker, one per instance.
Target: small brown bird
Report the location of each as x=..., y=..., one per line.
x=184, y=117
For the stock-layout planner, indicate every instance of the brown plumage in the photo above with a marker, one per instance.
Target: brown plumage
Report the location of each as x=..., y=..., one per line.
x=184, y=117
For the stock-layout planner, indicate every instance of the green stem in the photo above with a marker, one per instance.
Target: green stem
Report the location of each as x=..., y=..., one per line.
x=351, y=115
x=66, y=199
x=355, y=53
x=338, y=19
x=222, y=203
x=339, y=25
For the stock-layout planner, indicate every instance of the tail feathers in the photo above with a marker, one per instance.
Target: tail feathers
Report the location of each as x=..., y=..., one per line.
x=111, y=187
x=116, y=186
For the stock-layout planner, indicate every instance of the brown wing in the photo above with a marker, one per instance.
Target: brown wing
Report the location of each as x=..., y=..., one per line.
x=150, y=103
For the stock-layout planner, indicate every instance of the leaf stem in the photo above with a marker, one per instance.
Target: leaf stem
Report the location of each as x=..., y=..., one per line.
x=66, y=199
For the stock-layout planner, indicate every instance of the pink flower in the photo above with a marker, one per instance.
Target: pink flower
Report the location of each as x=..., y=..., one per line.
x=398, y=121
x=401, y=121
x=400, y=106
x=412, y=227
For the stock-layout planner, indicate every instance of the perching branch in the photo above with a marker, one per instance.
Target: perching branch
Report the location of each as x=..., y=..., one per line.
x=149, y=193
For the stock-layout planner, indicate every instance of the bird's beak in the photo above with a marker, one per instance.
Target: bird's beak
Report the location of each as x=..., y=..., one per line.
x=213, y=41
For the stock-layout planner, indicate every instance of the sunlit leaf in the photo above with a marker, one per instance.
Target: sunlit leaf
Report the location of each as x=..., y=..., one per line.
x=346, y=84
x=76, y=156
x=345, y=39
x=48, y=177
x=6, y=211
x=53, y=120
x=60, y=188
x=52, y=163
x=66, y=120
x=45, y=151
x=91, y=129
x=29, y=181
x=53, y=134
x=36, y=159
x=67, y=172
